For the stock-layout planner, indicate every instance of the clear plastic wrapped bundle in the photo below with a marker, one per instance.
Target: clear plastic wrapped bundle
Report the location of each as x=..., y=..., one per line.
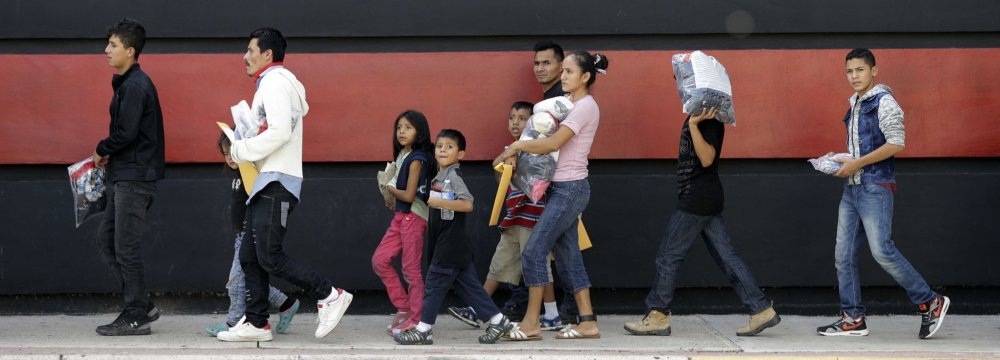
x=87, y=183
x=533, y=173
x=828, y=163
x=703, y=83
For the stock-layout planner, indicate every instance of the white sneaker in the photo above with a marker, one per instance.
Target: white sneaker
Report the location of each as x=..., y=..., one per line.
x=244, y=331
x=331, y=312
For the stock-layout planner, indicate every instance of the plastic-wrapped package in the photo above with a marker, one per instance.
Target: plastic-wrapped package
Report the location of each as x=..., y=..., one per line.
x=703, y=83
x=533, y=173
x=387, y=178
x=87, y=183
x=828, y=164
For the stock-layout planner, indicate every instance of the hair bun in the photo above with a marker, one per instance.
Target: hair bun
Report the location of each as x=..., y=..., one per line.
x=601, y=63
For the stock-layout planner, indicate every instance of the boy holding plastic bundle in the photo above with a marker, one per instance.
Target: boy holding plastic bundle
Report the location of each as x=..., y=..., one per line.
x=699, y=216
x=875, y=134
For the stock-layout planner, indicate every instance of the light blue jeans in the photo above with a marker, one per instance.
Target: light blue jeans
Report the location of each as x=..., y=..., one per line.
x=865, y=216
x=237, y=289
x=556, y=232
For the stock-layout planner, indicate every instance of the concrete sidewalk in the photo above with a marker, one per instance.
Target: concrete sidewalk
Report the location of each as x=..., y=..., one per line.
x=363, y=337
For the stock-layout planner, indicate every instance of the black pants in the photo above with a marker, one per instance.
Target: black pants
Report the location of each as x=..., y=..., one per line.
x=262, y=253
x=119, y=238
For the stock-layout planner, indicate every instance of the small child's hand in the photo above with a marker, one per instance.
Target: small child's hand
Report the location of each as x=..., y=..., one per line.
x=435, y=202
x=389, y=203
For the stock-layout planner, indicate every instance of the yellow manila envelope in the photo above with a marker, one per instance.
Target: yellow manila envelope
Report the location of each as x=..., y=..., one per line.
x=506, y=172
x=248, y=172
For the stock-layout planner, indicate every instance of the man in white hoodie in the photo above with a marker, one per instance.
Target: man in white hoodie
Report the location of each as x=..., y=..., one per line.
x=279, y=106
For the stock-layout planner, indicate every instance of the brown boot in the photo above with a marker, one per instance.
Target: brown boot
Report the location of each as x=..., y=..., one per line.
x=759, y=322
x=654, y=323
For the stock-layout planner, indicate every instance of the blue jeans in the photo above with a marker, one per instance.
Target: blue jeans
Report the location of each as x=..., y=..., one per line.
x=119, y=239
x=555, y=232
x=237, y=289
x=467, y=285
x=866, y=216
x=683, y=230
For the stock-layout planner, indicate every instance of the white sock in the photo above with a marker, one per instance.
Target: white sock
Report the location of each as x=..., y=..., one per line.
x=495, y=320
x=551, y=310
x=423, y=327
x=334, y=295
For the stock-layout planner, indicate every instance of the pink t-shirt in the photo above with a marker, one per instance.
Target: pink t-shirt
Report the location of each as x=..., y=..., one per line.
x=583, y=120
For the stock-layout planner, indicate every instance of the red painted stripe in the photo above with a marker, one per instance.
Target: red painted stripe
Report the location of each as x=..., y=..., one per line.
x=53, y=108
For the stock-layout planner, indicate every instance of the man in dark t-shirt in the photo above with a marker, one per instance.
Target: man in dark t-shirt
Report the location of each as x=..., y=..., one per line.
x=698, y=215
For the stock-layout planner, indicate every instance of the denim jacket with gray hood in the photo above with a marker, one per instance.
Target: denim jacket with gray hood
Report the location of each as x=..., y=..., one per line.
x=874, y=121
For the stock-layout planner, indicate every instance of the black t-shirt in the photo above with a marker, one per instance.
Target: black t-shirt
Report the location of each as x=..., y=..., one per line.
x=448, y=243
x=699, y=190
x=555, y=90
x=237, y=204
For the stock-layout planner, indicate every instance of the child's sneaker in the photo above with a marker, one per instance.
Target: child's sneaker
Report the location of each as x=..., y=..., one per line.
x=845, y=327
x=285, y=317
x=413, y=336
x=495, y=331
x=214, y=330
x=554, y=324
x=330, y=313
x=932, y=315
x=244, y=331
x=397, y=319
x=465, y=314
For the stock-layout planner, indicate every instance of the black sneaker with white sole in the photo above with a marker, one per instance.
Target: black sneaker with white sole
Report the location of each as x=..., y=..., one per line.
x=128, y=323
x=844, y=327
x=932, y=315
x=465, y=314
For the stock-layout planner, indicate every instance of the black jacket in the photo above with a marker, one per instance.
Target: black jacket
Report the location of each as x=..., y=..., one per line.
x=136, y=140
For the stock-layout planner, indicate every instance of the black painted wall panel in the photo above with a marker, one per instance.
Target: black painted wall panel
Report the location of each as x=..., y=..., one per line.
x=781, y=216
x=394, y=18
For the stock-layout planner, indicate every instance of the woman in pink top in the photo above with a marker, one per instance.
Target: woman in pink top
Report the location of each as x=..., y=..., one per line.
x=568, y=196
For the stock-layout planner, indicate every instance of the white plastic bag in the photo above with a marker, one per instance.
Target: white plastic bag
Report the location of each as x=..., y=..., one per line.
x=87, y=183
x=828, y=164
x=385, y=178
x=534, y=172
x=703, y=83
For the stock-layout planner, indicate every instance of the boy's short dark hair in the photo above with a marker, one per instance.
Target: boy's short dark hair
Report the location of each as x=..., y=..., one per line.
x=454, y=135
x=549, y=45
x=130, y=32
x=522, y=105
x=863, y=54
x=270, y=39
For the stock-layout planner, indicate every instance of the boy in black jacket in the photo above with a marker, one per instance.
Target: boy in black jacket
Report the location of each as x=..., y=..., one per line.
x=133, y=156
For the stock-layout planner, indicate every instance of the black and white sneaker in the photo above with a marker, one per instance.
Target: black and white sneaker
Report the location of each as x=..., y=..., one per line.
x=932, y=315
x=127, y=323
x=844, y=327
x=465, y=314
x=413, y=336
